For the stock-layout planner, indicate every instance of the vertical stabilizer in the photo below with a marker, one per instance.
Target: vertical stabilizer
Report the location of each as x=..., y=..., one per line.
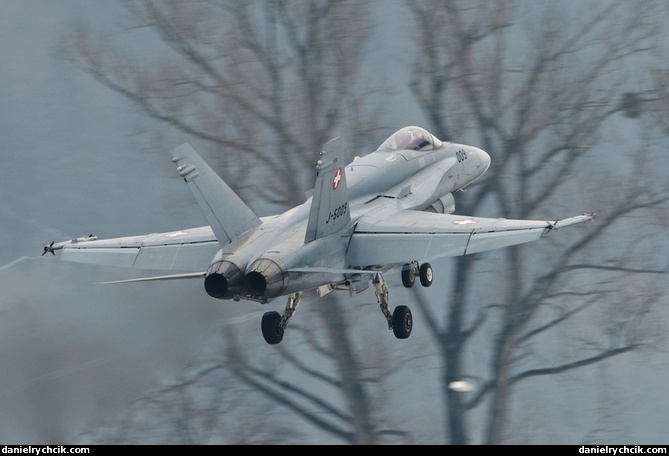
x=329, y=206
x=227, y=214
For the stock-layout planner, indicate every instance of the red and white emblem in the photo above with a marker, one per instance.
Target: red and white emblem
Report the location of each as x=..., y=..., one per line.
x=176, y=233
x=337, y=179
x=465, y=222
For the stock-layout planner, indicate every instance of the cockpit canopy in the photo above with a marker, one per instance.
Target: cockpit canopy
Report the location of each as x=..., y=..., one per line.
x=410, y=138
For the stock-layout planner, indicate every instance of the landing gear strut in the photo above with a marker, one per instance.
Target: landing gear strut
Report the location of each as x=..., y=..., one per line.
x=401, y=320
x=274, y=324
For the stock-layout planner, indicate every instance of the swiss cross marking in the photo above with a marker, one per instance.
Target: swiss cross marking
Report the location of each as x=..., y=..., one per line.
x=464, y=222
x=337, y=179
x=176, y=233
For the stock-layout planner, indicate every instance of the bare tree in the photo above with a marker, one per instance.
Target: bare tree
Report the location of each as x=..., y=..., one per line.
x=265, y=83
x=202, y=406
x=344, y=404
x=320, y=388
x=537, y=88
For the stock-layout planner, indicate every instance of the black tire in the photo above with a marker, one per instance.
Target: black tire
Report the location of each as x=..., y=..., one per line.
x=271, y=331
x=402, y=322
x=426, y=274
x=408, y=277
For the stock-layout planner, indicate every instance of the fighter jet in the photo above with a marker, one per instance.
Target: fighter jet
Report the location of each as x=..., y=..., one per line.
x=390, y=210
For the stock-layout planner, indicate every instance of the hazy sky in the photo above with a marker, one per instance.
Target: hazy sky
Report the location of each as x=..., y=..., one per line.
x=73, y=353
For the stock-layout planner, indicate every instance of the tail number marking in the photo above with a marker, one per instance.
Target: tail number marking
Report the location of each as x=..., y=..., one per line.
x=338, y=212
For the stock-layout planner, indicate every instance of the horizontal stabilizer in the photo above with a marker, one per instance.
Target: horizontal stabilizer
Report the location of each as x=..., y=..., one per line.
x=191, y=275
x=332, y=270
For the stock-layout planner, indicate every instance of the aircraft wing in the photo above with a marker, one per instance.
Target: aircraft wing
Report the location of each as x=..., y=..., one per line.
x=184, y=250
x=381, y=240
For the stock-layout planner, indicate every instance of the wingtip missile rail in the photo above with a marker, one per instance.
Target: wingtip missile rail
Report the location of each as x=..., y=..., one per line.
x=51, y=248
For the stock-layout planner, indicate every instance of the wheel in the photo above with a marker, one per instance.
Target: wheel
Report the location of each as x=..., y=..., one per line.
x=271, y=330
x=408, y=277
x=426, y=274
x=402, y=322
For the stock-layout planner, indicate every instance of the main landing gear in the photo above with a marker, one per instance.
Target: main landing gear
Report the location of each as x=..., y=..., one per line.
x=411, y=270
x=400, y=320
x=274, y=324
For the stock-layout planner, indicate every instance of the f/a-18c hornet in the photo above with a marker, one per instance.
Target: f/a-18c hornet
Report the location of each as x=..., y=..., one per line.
x=392, y=209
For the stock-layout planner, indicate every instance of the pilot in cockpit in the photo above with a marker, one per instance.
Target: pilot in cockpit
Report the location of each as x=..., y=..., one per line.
x=412, y=139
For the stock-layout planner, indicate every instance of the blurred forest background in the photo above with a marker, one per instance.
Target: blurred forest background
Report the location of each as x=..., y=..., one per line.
x=562, y=341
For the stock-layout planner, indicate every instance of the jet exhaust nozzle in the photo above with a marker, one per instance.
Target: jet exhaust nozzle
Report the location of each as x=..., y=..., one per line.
x=224, y=280
x=255, y=283
x=266, y=278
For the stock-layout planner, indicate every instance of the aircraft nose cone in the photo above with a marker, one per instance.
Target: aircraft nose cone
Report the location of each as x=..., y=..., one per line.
x=484, y=159
x=265, y=278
